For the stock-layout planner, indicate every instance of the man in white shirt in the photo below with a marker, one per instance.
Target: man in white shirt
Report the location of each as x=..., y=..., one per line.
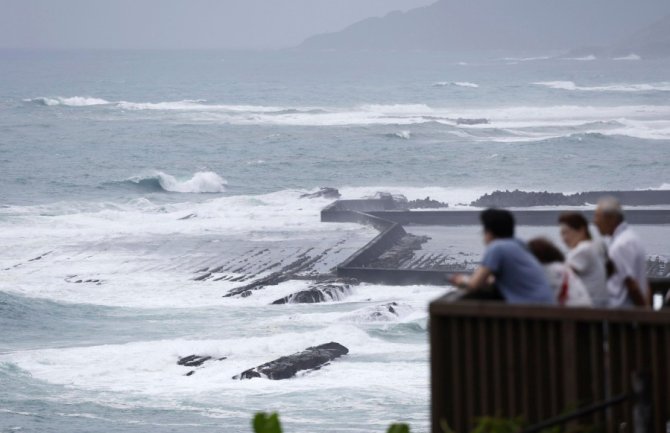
x=628, y=285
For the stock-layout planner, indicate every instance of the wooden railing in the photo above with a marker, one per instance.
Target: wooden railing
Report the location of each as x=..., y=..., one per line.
x=533, y=362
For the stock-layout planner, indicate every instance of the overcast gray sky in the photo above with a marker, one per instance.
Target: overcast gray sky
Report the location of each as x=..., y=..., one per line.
x=180, y=23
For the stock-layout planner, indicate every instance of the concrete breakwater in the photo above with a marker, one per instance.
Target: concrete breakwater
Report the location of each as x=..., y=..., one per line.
x=410, y=248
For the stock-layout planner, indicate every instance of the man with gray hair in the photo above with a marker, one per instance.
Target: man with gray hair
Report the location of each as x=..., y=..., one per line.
x=627, y=285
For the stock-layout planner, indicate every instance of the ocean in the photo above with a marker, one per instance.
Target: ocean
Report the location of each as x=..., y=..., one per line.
x=124, y=173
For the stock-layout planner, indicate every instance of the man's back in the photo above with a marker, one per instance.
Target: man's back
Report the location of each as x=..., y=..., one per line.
x=519, y=276
x=629, y=258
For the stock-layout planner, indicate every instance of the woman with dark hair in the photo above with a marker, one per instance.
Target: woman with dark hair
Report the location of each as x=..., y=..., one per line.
x=586, y=257
x=567, y=286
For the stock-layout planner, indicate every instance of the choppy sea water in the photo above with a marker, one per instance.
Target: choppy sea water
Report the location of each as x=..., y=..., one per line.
x=130, y=171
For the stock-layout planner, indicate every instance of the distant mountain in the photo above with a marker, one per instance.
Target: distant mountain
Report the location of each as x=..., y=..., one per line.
x=495, y=24
x=652, y=41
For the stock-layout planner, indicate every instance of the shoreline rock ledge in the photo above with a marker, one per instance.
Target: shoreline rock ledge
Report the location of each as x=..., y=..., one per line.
x=312, y=358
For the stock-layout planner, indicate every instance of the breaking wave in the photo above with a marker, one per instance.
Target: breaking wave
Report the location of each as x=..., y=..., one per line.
x=526, y=59
x=583, y=58
x=200, y=182
x=503, y=124
x=404, y=134
x=455, y=83
x=631, y=56
x=74, y=101
x=571, y=85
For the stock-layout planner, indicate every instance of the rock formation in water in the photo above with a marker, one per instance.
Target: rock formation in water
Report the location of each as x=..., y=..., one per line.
x=195, y=361
x=324, y=192
x=312, y=358
x=518, y=198
x=426, y=203
x=332, y=289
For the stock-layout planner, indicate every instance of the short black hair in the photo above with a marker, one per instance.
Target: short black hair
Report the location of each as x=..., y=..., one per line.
x=498, y=222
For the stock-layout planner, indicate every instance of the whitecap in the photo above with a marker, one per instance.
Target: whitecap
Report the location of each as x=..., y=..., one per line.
x=622, y=87
x=200, y=182
x=405, y=134
x=526, y=59
x=583, y=58
x=456, y=83
x=631, y=56
x=74, y=101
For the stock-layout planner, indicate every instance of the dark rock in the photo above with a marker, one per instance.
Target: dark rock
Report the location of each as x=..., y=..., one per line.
x=286, y=367
x=390, y=311
x=329, y=290
x=203, y=277
x=426, y=203
x=187, y=217
x=193, y=360
x=190, y=373
x=40, y=257
x=518, y=198
x=325, y=192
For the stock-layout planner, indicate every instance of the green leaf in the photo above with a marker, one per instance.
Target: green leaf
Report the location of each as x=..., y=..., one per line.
x=264, y=423
x=444, y=425
x=398, y=428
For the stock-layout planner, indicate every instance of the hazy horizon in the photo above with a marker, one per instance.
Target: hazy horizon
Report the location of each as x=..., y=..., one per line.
x=177, y=24
x=259, y=24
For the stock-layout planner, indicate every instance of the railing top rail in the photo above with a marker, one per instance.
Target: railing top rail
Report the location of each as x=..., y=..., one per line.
x=489, y=309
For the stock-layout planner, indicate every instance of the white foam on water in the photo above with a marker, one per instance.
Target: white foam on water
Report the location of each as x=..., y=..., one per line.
x=515, y=119
x=74, y=101
x=588, y=58
x=404, y=134
x=631, y=56
x=146, y=255
x=662, y=187
x=456, y=83
x=200, y=182
x=196, y=105
x=642, y=87
x=150, y=367
x=526, y=59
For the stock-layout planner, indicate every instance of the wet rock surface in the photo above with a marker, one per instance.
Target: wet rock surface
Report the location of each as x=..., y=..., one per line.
x=387, y=312
x=193, y=360
x=196, y=361
x=402, y=251
x=324, y=192
x=312, y=358
x=332, y=289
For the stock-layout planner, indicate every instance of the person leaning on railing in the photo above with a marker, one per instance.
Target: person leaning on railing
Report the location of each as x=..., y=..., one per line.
x=627, y=285
x=508, y=264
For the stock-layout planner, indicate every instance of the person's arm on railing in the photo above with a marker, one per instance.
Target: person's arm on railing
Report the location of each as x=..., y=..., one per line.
x=475, y=281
